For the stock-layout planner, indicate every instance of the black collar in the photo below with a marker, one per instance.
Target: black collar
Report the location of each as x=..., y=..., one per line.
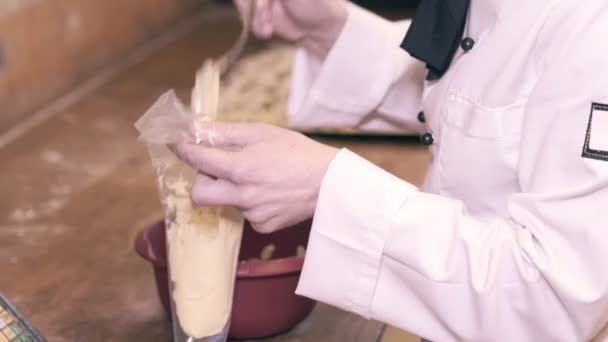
x=435, y=33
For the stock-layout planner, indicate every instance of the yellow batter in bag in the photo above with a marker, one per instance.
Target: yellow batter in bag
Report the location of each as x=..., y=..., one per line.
x=202, y=242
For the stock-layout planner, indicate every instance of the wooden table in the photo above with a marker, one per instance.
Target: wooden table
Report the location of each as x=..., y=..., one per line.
x=77, y=187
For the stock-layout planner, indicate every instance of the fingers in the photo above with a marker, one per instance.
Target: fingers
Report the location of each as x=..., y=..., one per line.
x=258, y=215
x=269, y=224
x=262, y=21
x=210, y=161
x=226, y=134
x=215, y=155
x=243, y=7
x=210, y=191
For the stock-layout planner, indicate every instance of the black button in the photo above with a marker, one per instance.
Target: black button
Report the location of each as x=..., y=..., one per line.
x=421, y=117
x=426, y=139
x=467, y=44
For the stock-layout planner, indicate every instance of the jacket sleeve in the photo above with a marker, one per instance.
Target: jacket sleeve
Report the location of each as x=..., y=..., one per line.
x=365, y=81
x=387, y=251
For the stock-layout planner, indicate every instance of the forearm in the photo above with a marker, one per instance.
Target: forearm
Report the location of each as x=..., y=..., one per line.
x=364, y=72
x=383, y=249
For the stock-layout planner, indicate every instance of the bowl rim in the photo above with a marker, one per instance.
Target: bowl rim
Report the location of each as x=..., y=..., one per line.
x=143, y=247
x=280, y=267
x=270, y=268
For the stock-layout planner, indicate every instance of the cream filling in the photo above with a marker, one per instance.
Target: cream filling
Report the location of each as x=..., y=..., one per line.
x=203, y=245
x=203, y=242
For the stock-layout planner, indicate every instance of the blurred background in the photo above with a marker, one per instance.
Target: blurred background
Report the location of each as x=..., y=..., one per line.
x=49, y=46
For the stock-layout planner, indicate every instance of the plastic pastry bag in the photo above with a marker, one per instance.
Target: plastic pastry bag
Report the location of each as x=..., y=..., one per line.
x=202, y=242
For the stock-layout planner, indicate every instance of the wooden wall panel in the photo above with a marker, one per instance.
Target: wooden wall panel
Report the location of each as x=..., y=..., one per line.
x=48, y=46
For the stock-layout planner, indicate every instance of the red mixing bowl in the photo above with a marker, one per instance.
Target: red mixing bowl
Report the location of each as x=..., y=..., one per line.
x=265, y=302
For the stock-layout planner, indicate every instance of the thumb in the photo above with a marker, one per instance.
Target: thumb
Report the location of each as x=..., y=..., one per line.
x=244, y=7
x=262, y=23
x=229, y=134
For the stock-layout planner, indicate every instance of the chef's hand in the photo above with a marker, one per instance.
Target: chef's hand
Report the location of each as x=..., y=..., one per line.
x=272, y=174
x=313, y=24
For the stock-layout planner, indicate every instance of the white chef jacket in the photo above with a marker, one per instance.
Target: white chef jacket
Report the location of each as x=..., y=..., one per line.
x=507, y=240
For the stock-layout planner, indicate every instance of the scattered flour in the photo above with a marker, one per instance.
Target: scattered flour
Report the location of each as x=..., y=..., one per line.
x=52, y=157
x=22, y=215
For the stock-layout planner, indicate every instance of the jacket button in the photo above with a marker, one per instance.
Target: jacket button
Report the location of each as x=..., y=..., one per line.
x=421, y=117
x=467, y=44
x=426, y=139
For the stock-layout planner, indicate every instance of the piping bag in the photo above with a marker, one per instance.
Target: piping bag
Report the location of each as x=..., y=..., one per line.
x=202, y=242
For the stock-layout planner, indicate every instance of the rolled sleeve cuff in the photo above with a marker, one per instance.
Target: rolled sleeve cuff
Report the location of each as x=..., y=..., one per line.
x=354, y=77
x=357, y=206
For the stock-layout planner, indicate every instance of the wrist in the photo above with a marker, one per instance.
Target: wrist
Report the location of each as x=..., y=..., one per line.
x=326, y=156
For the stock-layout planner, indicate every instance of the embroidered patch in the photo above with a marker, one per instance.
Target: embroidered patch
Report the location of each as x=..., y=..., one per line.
x=596, y=142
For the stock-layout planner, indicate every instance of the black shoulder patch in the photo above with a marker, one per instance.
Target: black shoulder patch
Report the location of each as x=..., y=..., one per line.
x=596, y=141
